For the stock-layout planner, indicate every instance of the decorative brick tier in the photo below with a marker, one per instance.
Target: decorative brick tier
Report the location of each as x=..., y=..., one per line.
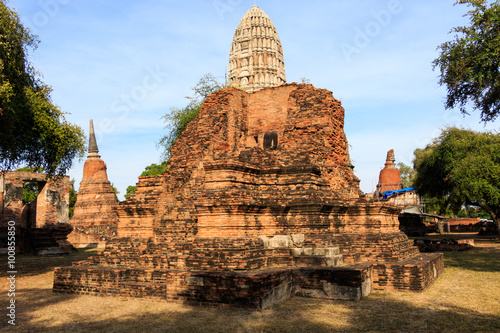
x=258, y=203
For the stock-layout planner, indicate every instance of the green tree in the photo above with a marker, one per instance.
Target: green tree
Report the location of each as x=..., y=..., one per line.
x=130, y=190
x=150, y=170
x=470, y=64
x=30, y=189
x=178, y=118
x=435, y=205
x=73, y=195
x=30, y=192
x=116, y=191
x=408, y=174
x=462, y=168
x=33, y=131
x=155, y=169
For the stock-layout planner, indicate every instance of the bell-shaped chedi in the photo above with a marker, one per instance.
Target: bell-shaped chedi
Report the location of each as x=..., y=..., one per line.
x=95, y=217
x=256, y=57
x=390, y=177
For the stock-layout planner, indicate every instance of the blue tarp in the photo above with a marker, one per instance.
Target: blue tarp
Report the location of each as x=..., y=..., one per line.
x=387, y=194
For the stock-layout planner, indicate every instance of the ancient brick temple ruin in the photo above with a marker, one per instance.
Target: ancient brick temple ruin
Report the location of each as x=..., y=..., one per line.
x=95, y=218
x=42, y=225
x=259, y=203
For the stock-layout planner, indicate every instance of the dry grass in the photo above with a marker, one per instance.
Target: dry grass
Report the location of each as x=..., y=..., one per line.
x=466, y=298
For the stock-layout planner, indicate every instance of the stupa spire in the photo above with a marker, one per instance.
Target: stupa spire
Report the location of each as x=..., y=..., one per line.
x=256, y=57
x=93, y=150
x=389, y=162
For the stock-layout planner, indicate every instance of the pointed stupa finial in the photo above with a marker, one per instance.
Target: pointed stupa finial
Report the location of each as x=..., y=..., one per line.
x=93, y=150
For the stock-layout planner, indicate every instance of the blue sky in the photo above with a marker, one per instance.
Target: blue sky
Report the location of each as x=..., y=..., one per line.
x=126, y=63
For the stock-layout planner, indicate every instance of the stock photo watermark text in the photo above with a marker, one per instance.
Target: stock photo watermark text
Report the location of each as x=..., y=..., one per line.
x=372, y=29
x=224, y=6
x=11, y=272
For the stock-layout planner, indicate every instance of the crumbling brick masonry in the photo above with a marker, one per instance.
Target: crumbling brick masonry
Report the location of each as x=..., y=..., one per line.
x=259, y=203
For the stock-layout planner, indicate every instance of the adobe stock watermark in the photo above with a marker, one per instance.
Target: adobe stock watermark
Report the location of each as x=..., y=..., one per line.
x=48, y=10
x=11, y=272
x=223, y=6
x=123, y=106
x=372, y=29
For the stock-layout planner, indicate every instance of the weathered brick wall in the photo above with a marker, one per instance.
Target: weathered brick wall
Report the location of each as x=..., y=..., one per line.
x=51, y=203
x=48, y=211
x=413, y=274
x=256, y=182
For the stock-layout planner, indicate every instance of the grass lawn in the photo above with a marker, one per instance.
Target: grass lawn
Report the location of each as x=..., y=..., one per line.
x=466, y=298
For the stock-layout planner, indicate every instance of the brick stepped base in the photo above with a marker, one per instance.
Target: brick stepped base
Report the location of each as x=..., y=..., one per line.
x=215, y=254
x=389, y=247
x=254, y=289
x=413, y=274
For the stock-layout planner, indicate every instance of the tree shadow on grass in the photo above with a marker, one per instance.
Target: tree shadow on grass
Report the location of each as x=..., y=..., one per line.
x=295, y=315
x=376, y=315
x=30, y=265
x=28, y=301
x=481, y=259
x=41, y=310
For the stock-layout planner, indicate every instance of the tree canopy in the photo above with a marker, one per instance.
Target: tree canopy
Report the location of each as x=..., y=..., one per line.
x=178, y=118
x=461, y=167
x=408, y=174
x=33, y=131
x=470, y=65
x=150, y=170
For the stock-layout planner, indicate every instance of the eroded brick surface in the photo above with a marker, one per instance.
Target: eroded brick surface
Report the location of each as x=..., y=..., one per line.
x=259, y=186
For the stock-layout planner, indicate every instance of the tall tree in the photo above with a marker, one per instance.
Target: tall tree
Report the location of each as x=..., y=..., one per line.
x=33, y=131
x=408, y=175
x=461, y=167
x=470, y=65
x=178, y=118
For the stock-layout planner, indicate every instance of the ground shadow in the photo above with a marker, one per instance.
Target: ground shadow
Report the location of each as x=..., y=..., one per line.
x=296, y=315
x=27, y=302
x=376, y=313
x=481, y=259
x=30, y=265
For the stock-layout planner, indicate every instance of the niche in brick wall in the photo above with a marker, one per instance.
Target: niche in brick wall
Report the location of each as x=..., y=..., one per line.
x=270, y=140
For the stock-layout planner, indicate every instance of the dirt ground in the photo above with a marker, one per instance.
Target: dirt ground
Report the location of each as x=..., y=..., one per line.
x=466, y=298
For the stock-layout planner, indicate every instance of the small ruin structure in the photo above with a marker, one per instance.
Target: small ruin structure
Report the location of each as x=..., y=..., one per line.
x=258, y=203
x=95, y=219
x=41, y=226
